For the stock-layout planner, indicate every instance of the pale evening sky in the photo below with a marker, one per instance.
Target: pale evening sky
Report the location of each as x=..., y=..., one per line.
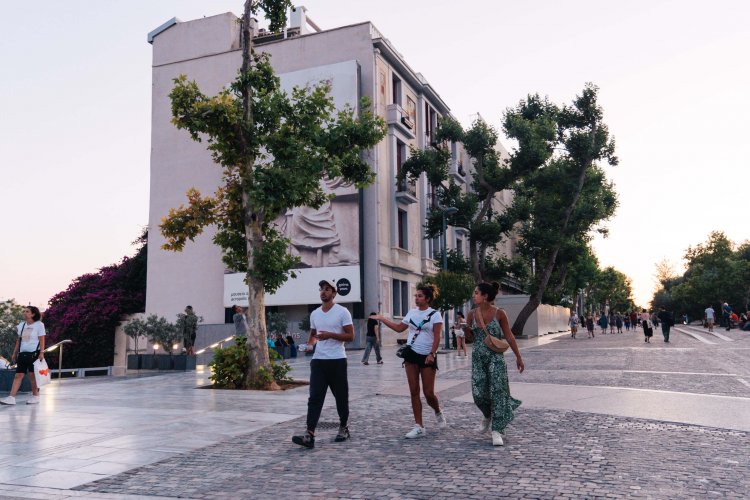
x=674, y=80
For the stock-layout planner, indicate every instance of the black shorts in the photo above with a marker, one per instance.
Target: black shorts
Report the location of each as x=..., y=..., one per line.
x=25, y=362
x=419, y=359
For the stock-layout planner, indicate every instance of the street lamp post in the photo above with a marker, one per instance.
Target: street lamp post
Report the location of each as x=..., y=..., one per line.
x=446, y=211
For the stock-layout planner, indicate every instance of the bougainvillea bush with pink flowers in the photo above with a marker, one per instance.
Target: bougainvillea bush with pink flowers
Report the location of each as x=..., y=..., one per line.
x=92, y=307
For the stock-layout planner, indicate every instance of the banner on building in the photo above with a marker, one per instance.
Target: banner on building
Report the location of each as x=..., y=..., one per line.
x=301, y=290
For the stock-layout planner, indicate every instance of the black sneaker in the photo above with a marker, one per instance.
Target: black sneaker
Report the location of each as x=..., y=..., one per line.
x=305, y=440
x=343, y=434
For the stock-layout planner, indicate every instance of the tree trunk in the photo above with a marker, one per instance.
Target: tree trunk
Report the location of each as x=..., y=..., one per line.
x=474, y=253
x=259, y=372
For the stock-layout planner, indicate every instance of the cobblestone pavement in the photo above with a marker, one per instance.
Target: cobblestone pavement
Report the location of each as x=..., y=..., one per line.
x=549, y=454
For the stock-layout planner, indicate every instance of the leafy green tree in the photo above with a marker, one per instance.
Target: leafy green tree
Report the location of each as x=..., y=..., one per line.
x=455, y=289
x=160, y=331
x=11, y=314
x=477, y=211
x=274, y=150
x=135, y=329
x=567, y=195
x=276, y=323
x=612, y=288
x=715, y=272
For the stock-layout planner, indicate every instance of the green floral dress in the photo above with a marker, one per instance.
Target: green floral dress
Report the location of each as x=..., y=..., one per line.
x=489, y=379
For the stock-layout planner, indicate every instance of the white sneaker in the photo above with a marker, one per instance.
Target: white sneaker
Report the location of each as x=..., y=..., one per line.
x=497, y=439
x=10, y=400
x=33, y=400
x=441, y=420
x=485, y=425
x=417, y=432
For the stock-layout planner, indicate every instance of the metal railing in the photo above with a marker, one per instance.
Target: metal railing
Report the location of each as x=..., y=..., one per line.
x=59, y=358
x=219, y=344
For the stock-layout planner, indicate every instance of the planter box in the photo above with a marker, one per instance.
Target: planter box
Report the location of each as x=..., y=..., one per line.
x=148, y=362
x=6, y=381
x=183, y=362
x=164, y=361
x=134, y=361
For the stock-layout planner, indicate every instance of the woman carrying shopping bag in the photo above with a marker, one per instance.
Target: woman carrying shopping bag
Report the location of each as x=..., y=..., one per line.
x=29, y=347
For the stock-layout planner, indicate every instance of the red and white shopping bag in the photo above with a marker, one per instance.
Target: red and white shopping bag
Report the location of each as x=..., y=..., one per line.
x=41, y=373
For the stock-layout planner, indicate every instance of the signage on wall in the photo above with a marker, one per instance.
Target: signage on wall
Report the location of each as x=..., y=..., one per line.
x=303, y=289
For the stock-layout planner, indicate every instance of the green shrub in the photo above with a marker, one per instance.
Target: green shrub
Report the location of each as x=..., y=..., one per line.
x=230, y=365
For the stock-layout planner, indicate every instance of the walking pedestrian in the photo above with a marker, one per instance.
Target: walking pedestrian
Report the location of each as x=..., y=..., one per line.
x=618, y=322
x=573, y=322
x=603, y=322
x=648, y=327
x=666, y=318
x=634, y=319
x=330, y=326
x=626, y=321
x=29, y=347
x=489, y=373
x=611, y=321
x=372, y=339
x=420, y=360
x=458, y=327
x=590, y=326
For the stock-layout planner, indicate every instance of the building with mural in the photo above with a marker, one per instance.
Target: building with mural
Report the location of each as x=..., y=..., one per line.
x=370, y=241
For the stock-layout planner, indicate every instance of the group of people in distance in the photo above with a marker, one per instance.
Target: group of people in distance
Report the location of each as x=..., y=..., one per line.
x=331, y=326
x=616, y=321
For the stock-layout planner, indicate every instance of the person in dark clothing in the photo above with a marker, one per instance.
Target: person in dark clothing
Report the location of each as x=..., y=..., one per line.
x=373, y=340
x=666, y=319
x=292, y=347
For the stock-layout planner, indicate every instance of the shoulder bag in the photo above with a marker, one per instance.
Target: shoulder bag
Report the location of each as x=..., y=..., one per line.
x=494, y=344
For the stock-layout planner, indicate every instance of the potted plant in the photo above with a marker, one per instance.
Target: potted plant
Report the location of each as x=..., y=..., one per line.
x=162, y=334
x=135, y=329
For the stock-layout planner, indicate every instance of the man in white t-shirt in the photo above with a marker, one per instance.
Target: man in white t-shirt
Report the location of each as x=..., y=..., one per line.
x=710, y=318
x=330, y=326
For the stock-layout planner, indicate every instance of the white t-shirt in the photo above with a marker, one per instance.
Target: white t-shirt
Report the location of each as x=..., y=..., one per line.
x=30, y=335
x=423, y=343
x=332, y=321
x=710, y=313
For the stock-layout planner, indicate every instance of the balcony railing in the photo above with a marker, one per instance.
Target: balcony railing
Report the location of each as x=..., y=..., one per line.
x=406, y=192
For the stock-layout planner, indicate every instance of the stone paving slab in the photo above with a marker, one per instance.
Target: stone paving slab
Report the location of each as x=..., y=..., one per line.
x=549, y=454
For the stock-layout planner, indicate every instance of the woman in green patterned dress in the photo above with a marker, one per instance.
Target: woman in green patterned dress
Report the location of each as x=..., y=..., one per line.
x=489, y=374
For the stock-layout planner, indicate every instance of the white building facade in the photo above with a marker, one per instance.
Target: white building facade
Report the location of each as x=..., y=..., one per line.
x=371, y=241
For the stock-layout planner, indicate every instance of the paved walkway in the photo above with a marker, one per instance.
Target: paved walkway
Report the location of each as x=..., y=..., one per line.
x=609, y=416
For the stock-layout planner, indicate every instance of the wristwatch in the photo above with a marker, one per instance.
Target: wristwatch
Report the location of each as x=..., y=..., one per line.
x=433, y=354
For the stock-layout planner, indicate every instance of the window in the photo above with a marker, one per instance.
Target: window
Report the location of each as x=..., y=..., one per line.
x=460, y=246
x=404, y=185
x=411, y=111
x=396, y=87
x=400, y=298
x=403, y=229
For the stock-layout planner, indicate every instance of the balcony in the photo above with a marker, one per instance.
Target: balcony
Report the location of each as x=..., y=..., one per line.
x=397, y=117
x=406, y=192
x=457, y=171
